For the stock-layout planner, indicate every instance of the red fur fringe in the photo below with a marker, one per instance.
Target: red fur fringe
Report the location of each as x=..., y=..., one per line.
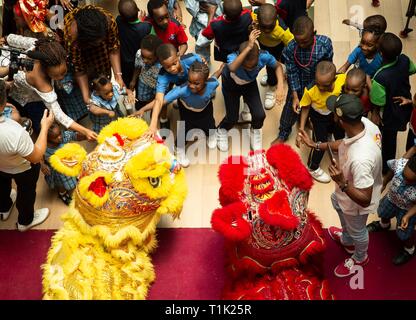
x=232, y=175
x=289, y=166
x=229, y=222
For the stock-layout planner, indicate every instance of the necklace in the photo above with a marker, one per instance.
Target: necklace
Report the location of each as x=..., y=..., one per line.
x=310, y=57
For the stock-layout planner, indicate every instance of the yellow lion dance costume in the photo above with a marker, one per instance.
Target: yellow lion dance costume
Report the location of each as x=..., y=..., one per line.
x=125, y=184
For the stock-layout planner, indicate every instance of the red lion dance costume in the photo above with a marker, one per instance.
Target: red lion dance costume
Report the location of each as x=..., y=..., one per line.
x=274, y=244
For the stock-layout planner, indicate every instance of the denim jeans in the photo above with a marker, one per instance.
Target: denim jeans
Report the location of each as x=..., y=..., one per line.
x=354, y=231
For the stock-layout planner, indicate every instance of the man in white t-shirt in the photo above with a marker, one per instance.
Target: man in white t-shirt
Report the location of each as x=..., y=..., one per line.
x=19, y=161
x=358, y=175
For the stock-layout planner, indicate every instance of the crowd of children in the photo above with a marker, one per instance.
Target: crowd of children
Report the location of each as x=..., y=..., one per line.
x=157, y=69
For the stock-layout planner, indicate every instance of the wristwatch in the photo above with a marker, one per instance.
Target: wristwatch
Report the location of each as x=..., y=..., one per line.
x=317, y=144
x=344, y=186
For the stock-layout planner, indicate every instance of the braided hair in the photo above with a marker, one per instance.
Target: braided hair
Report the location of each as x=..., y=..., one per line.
x=99, y=81
x=49, y=52
x=200, y=67
x=92, y=25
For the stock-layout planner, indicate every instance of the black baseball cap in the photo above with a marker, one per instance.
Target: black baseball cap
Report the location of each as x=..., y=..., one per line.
x=347, y=106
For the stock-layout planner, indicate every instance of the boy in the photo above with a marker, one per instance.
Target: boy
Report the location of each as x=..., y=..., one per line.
x=356, y=84
x=147, y=68
x=174, y=71
x=390, y=81
x=239, y=78
x=229, y=30
x=400, y=202
x=376, y=23
x=131, y=33
x=301, y=57
x=273, y=38
x=313, y=106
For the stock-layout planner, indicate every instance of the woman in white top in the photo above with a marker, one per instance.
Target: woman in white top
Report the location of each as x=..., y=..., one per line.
x=37, y=85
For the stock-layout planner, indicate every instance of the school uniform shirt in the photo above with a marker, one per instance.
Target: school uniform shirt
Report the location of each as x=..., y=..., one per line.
x=228, y=34
x=146, y=85
x=361, y=163
x=243, y=76
x=164, y=78
x=316, y=98
x=370, y=66
x=392, y=80
x=174, y=33
x=402, y=194
x=192, y=101
x=15, y=144
x=280, y=33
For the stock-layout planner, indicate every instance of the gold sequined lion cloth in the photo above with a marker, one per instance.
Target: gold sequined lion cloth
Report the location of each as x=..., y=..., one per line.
x=125, y=184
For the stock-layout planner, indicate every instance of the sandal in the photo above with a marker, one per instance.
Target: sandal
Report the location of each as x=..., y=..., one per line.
x=65, y=197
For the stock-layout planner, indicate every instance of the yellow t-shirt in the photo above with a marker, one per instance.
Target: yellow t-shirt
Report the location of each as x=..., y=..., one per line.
x=317, y=99
x=274, y=38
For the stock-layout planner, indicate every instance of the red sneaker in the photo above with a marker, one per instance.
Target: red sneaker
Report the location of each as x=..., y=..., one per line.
x=336, y=234
x=346, y=268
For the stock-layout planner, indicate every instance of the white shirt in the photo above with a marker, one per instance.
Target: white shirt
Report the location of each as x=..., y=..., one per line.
x=360, y=159
x=15, y=144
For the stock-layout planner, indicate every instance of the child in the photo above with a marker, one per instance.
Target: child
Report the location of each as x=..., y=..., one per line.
x=174, y=71
x=131, y=32
x=313, y=105
x=64, y=184
x=400, y=202
x=273, y=38
x=301, y=58
x=195, y=104
x=356, y=84
x=392, y=80
x=202, y=12
x=147, y=68
x=239, y=78
x=365, y=56
x=105, y=102
x=167, y=30
x=229, y=30
x=376, y=23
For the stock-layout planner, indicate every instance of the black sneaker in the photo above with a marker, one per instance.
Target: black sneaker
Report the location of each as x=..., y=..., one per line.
x=402, y=257
x=375, y=226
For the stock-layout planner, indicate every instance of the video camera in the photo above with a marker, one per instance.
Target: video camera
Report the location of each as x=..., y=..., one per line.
x=16, y=61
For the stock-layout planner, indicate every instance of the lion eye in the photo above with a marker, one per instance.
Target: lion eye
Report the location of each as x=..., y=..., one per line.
x=154, y=182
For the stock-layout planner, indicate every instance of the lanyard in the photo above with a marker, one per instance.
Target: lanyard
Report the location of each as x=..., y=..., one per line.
x=310, y=57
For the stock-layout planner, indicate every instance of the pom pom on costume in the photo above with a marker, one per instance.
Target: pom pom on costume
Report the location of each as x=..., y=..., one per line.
x=273, y=243
x=125, y=184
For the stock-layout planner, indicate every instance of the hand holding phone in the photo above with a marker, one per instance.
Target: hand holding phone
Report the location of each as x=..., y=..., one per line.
x=331, y=154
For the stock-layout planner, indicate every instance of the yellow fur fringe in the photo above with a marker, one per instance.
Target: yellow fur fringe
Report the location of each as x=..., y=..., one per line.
x=130, y=127
x=69, y=152
x=90, y=196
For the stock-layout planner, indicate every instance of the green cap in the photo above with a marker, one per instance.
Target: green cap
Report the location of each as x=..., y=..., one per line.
x=345, y=106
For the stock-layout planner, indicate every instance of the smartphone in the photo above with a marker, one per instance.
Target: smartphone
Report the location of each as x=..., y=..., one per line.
x=331, y=154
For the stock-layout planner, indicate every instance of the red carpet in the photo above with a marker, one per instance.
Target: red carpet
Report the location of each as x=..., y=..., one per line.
x=189, y=265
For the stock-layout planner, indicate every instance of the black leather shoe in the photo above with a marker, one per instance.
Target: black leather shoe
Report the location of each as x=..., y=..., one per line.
x=402, y=257
x=375, y=226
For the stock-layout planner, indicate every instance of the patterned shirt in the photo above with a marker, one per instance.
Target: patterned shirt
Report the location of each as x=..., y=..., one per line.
x=301, y=63
x=401, y=194
x=146, y=86
x=94, y=60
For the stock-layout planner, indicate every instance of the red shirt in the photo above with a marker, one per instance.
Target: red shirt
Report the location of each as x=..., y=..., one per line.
x=174, y=34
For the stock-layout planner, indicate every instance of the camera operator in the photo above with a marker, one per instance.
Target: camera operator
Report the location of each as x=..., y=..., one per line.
x=19, y=161
x=34, y=90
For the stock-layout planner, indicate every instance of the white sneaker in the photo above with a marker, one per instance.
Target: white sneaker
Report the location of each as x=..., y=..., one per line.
x=222, y=140
x=320, y=175
x=5, y=215
x=245, y=113
x=39, y=216
x=263, y=80
x=256, y=139
x=182, y=159
x=270, y=100
x=212, y=141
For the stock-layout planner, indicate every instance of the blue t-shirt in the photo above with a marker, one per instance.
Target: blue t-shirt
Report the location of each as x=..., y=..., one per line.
x=358, y=58
x=265, y=59
x=164, y=78
x=192, y=101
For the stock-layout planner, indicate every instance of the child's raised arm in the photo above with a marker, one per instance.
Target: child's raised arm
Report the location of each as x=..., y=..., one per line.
x=344, y=67
x=233, y=66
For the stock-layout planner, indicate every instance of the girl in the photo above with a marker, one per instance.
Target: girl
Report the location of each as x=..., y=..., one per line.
x=195, y=104
x=64, y=184
x=105, y=100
